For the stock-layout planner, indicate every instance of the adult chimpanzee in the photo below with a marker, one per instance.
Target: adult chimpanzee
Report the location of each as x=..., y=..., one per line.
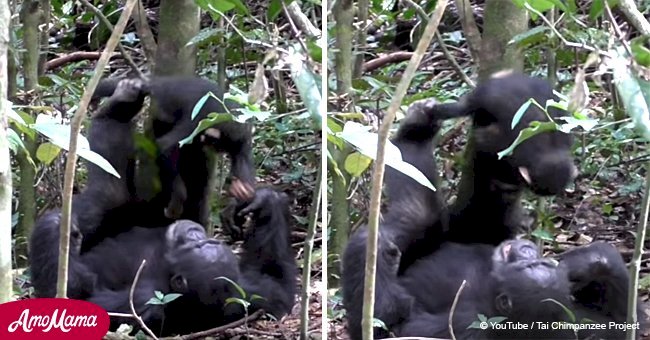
x=181, y=258
x=512, y=281
x=415, y=221
x=184, y=171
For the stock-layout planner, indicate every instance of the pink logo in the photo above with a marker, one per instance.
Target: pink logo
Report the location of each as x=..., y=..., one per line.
x=52, y=319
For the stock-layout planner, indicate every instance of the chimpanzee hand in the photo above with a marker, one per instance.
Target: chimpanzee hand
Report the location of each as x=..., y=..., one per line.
x=241, y=190
x=129, y=90
x=264, y=203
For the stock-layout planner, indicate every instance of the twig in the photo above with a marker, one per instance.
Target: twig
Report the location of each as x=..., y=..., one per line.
x=73, y=57
x=635, y=17
x=132, y=306
x=295, y=15
x=295, y=29
x=450, y=57
x=144, y=33
x=71, y=161
x=635, y=262
x=453, y=309
x=370, y=269
x=467, y=22
x=308, y=252
x=219, y=329
x=575, y=214
x=617, y=30
x=562, y=38
x=108, y=25
x=382, y=60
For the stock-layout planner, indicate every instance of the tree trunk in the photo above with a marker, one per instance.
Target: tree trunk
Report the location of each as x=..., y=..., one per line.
x=5, y=167
x=179, y=22
x=30, y=16
x=503, y=20
x=340, y=215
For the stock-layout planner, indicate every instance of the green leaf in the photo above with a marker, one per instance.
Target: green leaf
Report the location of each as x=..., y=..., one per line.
x=239, y=289
x=634, y=93
x=13, y=115
x=366, y=143
x=315, y=50
x=257, y=297
x=212, y=120
x=482, y=318
x=530, y=37
x=242, y=302
x=15, y=143
x=568, y=312
x=154, y=301
x=170, y=297
x=535, y=129
x=205, y=36
x=608, y=209
x=245, y=114
x=59, y=134
x=356, y=164
x=543, y=234
x=159, y=295
x=520, y=113
x=274, y=10
x=378, y=323
x=199, y=104
x=640, y=51
x=47, y=152
x=497, y=319
x=307, y=86
x=475, y=325
x=586, y=124
x=598, y=8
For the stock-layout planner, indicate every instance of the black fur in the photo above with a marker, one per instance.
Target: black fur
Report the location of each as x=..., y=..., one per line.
x=184, y=172
x=180, y=257
x=110, y=135
x=423, y=257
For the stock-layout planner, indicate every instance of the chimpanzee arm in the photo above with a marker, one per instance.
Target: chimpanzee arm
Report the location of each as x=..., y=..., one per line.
x=44, y=259
x=268, y=267
x=599, y=278
x=414, y=220
x=393, y=303
x=111, y=136
x=117, y=301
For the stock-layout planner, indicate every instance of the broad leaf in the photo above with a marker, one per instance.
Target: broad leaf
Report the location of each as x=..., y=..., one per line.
x=366, y=143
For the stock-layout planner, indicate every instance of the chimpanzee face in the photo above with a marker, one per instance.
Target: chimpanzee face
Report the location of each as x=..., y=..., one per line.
x=199, y=264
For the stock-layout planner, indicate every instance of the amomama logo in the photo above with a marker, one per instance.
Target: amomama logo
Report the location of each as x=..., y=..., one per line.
x=52, y=319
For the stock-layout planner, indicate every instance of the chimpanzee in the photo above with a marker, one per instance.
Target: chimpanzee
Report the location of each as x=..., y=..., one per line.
x=184, y=171
x=542, y=163
x=181, y=258
x=514, y=282
x=414, y=229
x=412, y=214
x=110, y=135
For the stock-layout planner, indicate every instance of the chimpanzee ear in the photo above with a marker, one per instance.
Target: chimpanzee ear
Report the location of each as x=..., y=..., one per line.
x=178, y=283
x=503, y=304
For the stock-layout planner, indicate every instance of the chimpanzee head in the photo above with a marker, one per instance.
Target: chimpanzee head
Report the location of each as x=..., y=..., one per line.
x=527, y=286
x=543, y=162
x=198, y=263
